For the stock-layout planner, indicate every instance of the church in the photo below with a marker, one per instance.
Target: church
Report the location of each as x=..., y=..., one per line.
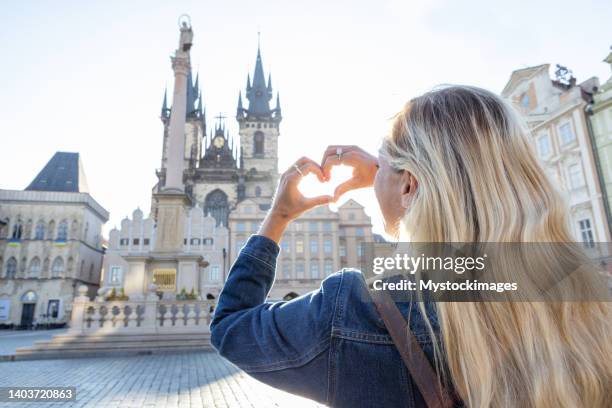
x=213, y=190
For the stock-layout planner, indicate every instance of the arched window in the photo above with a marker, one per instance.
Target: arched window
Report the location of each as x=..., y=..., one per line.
x=258, y=143
x=35, y=267
x=17, y=229
x=217, y=206
x=11, y=268
x=40, y=230
x=257, y=191
x=62, y=231
x=58, y=267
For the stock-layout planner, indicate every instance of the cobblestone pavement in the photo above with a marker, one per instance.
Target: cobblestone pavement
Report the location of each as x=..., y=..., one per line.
x=13, y=339
x=195, y=379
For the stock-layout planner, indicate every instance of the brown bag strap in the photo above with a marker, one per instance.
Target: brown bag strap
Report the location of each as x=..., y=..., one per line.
x=419, y=367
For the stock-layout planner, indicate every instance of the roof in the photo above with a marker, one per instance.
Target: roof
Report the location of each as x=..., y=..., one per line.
x=519, y=75
x=64, y=172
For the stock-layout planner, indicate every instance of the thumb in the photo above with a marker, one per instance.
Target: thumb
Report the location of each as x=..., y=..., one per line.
x=344, y=187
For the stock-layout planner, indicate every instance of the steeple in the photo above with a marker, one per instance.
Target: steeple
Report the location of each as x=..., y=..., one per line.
x=240, y=109
x=259, y=94
x=165, y=112
x=277, y=109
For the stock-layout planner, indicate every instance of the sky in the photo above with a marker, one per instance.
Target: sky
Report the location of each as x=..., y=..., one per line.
x=89, y=77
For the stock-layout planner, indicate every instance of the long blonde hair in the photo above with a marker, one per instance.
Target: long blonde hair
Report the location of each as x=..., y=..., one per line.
x=479, y=181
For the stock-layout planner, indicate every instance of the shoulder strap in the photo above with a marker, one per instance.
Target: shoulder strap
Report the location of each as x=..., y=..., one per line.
x=413, y=356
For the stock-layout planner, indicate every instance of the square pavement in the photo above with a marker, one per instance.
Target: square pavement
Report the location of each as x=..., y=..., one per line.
x=193, y=379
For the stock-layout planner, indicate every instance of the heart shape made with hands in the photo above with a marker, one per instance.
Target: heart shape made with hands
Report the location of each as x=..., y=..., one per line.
x=310, y=186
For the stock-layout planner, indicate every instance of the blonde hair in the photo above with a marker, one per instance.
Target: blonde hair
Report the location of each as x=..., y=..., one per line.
x=479, y=181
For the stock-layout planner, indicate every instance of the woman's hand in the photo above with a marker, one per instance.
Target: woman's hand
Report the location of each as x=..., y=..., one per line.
x=363, y=163
x=289, y=203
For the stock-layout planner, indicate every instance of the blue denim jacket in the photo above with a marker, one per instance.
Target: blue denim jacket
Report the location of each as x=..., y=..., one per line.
x=329, y=345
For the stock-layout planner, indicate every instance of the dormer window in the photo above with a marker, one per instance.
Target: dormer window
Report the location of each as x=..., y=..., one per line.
x=525, y=100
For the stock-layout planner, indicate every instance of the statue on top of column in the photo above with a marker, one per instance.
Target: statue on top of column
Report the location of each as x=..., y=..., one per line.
x=186, y=39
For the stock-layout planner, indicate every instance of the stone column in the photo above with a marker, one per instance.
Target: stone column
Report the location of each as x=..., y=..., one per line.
x=176, y=133
x=78, y=312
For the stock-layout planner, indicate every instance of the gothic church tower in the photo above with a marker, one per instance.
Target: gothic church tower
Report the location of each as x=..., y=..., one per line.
x=259, y=131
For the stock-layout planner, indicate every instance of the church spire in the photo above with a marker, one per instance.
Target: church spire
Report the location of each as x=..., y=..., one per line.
x=259, y=93
x=164, y=109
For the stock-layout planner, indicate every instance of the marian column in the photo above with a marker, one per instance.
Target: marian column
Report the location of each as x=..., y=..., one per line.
x=172, y=200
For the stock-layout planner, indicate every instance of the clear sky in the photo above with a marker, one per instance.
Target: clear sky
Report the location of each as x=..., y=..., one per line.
x=89, y=77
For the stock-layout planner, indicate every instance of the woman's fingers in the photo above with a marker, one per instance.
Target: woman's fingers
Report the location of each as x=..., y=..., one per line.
x=306, y=166
x=316, y=201
x=350, y=184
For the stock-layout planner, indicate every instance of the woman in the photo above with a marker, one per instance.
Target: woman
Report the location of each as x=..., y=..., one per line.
x=456, y=167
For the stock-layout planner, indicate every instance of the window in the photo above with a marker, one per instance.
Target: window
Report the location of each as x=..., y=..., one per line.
x=62, y=231
x=35, y=267
x=11, y=268
x=214, y=274
x=115, y=277
x=314, y=269
x=544, y=147
x=53, y=308
x=586, y=232
x=314, y=245
x=327, y=246
x=297, y=225
x=574, y=172
x=58, y=267
x=351, y=216
x=327, y=226
x=17, y=230
x=313, y=226
x=258, y=144
x=145, y=241
x=359, y=232
x=525, y=100
x=257, y=191
x=136, y=241
x=299, y=269
x=287, y=270
x=207, y=241
x=328, y=267
x=342, y=250
x=195, y=241
x=299, y=246
x=240, y=226
x=360, y=249
x=566, y=134
x=286, y=246
x=124, y=241
x=39, y=232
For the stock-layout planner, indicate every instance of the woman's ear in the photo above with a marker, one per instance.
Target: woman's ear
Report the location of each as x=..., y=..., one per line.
x=408, y=188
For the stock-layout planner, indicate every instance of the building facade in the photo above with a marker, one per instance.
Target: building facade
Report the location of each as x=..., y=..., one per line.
x=229, y=183
x=600, y=115
x=555, y=112
x=50, y=244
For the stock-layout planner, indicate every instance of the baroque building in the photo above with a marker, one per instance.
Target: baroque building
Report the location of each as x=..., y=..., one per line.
x=227, y=184
x=600, y=115
x=50, y=244
x=555, y=111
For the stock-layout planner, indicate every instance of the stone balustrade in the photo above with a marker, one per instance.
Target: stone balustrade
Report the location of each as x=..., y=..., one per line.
x=147, y=316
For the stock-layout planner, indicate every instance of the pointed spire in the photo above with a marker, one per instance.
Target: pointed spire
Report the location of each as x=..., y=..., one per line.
x=278, y=108
x=270, y=82
x=197, y=83
x=248, y=87
x=200, y=103
x=164, y=108
x=258, y=93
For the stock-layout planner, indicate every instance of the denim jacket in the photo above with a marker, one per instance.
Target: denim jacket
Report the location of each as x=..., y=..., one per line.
x=329, y=345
